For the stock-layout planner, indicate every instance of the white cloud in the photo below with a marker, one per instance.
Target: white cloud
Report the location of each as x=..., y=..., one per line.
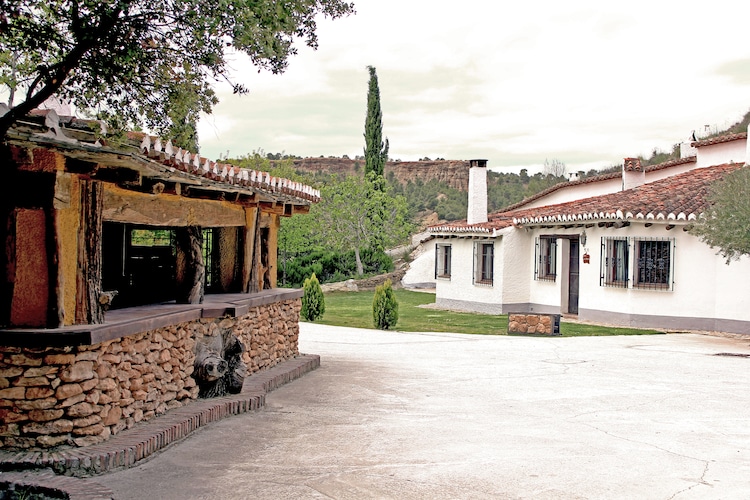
x=581, y=81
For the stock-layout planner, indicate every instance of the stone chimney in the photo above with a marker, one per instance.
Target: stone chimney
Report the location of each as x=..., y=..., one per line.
x=633, y=174
x=477, y=211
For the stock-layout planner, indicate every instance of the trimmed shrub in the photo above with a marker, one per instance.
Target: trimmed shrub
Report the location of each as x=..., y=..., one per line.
x=313, y=302
x=385, y=307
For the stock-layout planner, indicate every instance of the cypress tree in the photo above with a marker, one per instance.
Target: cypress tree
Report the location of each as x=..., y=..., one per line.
x=376, y=152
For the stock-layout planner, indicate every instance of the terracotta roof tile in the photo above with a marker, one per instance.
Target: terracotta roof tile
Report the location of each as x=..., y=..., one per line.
x=681, y=197
x=597, y=178
x=720, y=139
x=156, y=150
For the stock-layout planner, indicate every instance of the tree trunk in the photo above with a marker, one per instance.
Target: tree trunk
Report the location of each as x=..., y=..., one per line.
x=191, y=276
x=89, y=276
x=255, y=283
x=360, y=268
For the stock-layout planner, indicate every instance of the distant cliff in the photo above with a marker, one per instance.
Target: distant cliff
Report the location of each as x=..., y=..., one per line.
x=455, y=173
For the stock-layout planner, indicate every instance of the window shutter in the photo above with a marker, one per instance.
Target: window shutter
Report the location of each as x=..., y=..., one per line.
x=602, y=262
x=537, y=259
x=437, y=259
x=448, y=260
x=553, y=256
x=475, y=265
x=491, y=263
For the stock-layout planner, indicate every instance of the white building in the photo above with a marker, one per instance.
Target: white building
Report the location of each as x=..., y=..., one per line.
x=613, y=249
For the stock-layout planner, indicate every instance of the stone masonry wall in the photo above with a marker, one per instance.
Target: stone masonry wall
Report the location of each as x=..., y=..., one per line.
x=532, y=323
x=78, y=396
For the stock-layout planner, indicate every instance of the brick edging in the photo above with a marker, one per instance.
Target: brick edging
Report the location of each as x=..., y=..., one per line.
x=133, y=445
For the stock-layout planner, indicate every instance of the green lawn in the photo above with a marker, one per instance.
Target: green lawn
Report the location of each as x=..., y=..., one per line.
x=354, y=309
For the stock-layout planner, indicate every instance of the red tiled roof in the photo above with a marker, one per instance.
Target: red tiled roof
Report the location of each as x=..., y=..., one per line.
x=72, y=132
x=681, y=197
x=720, y=139
x=191, y=163
x=597, y=178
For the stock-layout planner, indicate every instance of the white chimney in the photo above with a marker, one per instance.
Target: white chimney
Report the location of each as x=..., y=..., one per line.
x=477, y=211
x=633, y=174
x=687, y=149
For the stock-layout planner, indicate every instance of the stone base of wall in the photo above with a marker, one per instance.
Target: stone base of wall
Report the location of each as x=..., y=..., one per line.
x=544, y=324
x=77, y=396
x=134, y=445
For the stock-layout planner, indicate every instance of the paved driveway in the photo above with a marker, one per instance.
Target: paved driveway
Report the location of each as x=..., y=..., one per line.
x=403, y=415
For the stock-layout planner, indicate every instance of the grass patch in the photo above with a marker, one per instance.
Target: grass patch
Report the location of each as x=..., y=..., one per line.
x=354, y=309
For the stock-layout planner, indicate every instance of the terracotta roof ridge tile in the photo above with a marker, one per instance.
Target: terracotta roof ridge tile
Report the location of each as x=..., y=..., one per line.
x=164, y=152
x=720, y=139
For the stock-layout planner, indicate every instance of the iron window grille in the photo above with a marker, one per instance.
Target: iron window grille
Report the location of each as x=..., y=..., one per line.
x=442, y=261
x=615, y=257
x=484, y=261
x=545, y=268
x=654, y=263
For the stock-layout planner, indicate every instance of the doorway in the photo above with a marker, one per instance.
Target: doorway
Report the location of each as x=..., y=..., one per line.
x=573, y=283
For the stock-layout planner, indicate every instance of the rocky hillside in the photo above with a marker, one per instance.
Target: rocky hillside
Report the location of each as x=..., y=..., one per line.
x=454, y=173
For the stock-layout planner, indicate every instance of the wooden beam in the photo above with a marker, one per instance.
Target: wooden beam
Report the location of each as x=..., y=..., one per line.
x=168, y=210
x=272, y=208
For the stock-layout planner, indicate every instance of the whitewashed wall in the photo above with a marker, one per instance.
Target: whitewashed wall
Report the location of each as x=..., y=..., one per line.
x=578, y=192
x=459, y=292
x=724, y=152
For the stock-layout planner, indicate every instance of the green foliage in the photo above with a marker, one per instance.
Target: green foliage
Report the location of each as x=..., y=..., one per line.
x=333, y=266
x=385, y=307
x=353, y=215
x=313, y=302
x=149, y=62
x=727, y=220
x=376, y=153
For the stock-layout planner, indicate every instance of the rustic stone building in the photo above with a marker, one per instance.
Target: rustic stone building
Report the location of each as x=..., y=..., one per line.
x=119, y=256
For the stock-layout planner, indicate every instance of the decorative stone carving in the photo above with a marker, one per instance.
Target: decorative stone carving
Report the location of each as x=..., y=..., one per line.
x=219, y=369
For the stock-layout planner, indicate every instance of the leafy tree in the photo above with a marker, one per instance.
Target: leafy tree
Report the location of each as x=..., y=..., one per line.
x=726, y=224
x=346, y=221
x=376, y=152
x=385, y=307
x=138, y=59
x=313, y=301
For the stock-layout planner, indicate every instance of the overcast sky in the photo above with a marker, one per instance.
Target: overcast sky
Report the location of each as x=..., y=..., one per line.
x=584, y=82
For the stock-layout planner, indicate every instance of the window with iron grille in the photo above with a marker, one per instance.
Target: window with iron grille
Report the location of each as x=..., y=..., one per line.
x=653, y=263
x=484, y=257
x=614, y=262
x=545, y=268
x=442, y=261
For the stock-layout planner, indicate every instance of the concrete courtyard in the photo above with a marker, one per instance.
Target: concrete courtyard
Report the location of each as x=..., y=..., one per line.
x=444, y=416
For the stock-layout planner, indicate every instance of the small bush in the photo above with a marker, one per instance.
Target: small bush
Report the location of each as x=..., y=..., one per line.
x=313, y=302
x=385, y=307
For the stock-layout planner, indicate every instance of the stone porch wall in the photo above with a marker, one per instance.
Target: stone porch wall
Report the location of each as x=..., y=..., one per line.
x=546, y=324
x=78, y=396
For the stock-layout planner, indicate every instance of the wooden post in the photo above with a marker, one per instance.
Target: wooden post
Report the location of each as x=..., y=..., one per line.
x=191, y=270
x=251, y=258
x=89, y=276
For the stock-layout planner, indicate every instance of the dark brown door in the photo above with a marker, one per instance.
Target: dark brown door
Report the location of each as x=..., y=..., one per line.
x=573, y=277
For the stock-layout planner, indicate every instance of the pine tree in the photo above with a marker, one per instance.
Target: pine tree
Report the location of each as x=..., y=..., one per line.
x=313, y=301
x=376, y=152
x=385, y=307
